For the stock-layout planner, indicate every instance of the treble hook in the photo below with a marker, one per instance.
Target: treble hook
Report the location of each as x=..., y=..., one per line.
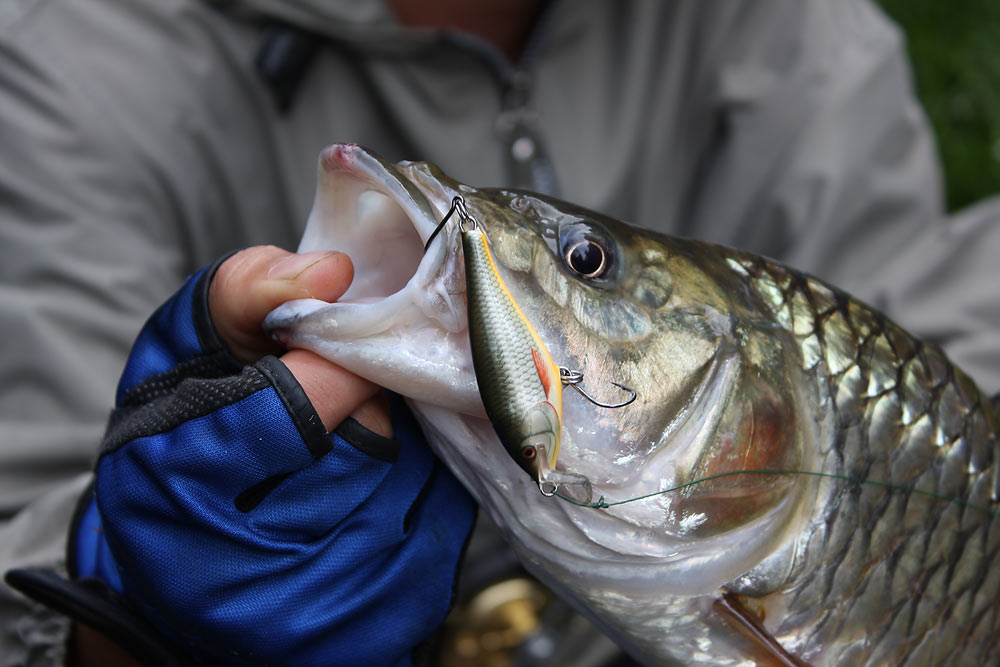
x=571, y=378
x=464, y=217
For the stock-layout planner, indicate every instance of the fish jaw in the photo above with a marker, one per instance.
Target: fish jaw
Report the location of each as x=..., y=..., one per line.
x=402, y=323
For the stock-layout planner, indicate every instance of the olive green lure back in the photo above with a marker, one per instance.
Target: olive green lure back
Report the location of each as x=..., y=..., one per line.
x=518, y=381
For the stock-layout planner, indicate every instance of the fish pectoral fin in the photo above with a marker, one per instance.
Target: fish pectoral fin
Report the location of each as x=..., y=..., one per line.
x=766, y=651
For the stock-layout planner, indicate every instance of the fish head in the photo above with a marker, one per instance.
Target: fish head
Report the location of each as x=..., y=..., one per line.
x=670, y=318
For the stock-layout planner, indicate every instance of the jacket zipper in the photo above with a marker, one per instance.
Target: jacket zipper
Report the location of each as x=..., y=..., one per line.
x=518, y=125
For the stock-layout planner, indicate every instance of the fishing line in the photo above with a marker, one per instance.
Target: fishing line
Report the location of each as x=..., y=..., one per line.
x=464, y=217
x=602, y=504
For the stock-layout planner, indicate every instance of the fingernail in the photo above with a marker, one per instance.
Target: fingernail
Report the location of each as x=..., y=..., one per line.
x=293, y=266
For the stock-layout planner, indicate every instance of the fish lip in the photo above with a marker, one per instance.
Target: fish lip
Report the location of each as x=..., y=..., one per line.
x=357, y=162
x=424, y=201
x=346, y=174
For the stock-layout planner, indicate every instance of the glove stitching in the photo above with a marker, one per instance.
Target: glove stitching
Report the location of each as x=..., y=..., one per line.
x=191, y=399
x=215, y=365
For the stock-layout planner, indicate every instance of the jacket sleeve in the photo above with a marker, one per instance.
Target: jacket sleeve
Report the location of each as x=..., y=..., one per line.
x=87, y=251
x=822, y=157
x=943, y=284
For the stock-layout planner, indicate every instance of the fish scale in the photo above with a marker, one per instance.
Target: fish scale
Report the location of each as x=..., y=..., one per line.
x=905, y=416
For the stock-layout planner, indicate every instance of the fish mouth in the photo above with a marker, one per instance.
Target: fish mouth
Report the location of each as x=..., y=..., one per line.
x=402, y=323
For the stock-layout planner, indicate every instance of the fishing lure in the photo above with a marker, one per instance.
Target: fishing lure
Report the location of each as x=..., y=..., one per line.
x=520, y=385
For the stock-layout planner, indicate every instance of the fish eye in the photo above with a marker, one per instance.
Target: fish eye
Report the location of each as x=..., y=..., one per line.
x=586, y=258
x=528, y=453
x=587, y=250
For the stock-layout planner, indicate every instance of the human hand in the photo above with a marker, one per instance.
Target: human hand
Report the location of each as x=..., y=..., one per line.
x=234, y=524
x=250, y=284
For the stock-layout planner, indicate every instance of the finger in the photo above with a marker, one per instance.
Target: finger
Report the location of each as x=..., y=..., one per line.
x=254, y=281
x=334, y=392
x=374, y=415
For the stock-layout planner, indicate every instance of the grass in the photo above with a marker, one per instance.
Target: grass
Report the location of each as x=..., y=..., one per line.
x=955, y=50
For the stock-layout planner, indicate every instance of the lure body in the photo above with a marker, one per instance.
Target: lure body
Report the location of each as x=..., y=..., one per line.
x=518, y=381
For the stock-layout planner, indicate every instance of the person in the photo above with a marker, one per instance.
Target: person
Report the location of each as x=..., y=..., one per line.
x=142, y=141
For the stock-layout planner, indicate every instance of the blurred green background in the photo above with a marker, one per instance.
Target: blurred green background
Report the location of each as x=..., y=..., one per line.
x=955, y=50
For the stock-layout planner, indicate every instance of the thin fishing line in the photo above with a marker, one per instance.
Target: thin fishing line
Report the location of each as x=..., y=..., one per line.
x=441, y=225
x=602, y=504
x=457, y=206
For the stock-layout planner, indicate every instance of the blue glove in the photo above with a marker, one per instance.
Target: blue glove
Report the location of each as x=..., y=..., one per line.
x=234, y=524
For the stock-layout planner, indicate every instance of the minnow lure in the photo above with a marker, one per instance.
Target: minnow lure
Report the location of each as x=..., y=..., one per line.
x=518, y=381
x=520, y=385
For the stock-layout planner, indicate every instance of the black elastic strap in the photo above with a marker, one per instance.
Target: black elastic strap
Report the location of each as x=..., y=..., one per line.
x=371, y=443
x=91, y=602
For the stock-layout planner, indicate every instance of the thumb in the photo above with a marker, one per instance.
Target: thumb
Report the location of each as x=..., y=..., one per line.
x=254, y=281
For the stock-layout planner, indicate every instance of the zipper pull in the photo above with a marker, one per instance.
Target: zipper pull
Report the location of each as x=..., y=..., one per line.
x=528, y=163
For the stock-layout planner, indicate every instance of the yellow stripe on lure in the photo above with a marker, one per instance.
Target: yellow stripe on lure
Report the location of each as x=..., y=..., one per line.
x=519, y=383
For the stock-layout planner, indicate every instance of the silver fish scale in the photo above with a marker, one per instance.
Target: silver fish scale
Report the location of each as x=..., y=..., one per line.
x=888, y=576
x=509, y=382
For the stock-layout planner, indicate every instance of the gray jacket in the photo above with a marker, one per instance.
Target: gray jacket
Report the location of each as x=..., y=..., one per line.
x=138, y=141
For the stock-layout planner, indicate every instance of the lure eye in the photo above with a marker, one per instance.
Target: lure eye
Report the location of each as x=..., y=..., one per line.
x=586, y=258
x=528, y=453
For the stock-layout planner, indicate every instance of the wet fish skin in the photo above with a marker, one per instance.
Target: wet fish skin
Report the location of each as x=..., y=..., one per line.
x=740, y=364
x=915, y=577
x=911, y=578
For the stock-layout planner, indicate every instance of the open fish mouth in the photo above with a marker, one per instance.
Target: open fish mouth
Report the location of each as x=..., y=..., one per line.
x=402, y=323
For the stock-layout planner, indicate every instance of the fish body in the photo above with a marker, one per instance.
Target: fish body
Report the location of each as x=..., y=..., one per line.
x=881, y=549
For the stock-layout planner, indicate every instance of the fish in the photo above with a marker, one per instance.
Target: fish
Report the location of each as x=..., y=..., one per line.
x=799, y=480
